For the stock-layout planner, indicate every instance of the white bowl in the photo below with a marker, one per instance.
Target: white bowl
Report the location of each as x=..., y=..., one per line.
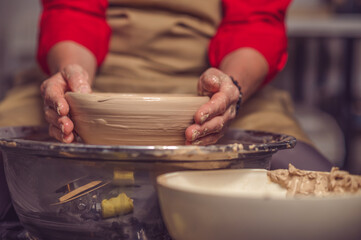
x=133, y=119
x=244, y=204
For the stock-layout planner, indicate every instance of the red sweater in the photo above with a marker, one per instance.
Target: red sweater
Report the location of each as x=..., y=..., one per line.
x=246, y=23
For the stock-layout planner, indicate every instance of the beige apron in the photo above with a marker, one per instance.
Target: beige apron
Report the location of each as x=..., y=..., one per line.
x=159, y=46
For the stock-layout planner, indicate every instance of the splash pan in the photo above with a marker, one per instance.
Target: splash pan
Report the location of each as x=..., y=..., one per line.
x=68, y=191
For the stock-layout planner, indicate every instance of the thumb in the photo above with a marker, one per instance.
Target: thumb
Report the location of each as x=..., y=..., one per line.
x=77, y=78
x=210, y=82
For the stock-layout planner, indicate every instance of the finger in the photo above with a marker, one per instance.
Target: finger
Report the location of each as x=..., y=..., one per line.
x=201, y=90
x=77, y=78
x=215, y=125
x=51, y=116
x=63, y=123
x=210, y=81
x=66, y=125
x=53, y=93
x=208, y=140
x=193, y=132
x=57, y=134
x=218, y=103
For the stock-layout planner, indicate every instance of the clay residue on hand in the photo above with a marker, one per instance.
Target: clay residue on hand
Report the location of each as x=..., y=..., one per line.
x=312, y=183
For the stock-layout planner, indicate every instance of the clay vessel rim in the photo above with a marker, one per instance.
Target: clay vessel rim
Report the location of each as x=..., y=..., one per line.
x=136, y=95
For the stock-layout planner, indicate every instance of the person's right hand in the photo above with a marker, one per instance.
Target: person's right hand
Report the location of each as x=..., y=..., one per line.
x=71, y=78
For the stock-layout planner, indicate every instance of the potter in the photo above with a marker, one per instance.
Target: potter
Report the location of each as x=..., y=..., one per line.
x=164, y=50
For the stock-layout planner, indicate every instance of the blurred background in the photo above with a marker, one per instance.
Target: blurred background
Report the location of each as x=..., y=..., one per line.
x=323, y=73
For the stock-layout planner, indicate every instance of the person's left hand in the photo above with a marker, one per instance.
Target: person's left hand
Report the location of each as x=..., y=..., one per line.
x=212, y=118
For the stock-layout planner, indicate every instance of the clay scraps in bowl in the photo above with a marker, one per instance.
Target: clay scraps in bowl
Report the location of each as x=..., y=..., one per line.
x=312, y=183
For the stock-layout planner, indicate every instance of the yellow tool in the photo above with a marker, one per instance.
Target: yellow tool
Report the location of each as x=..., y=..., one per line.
x=119, y=205
x=122, y=178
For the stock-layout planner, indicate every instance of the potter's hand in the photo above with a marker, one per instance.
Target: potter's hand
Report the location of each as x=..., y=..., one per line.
x=212, y=119
x=71, y=78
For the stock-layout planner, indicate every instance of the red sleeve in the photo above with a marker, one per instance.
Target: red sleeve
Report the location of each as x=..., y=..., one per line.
x=258, y=24
x=77, y=20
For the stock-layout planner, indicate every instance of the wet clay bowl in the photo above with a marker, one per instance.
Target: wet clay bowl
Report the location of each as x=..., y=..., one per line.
x=133, y=119
x=245, y=204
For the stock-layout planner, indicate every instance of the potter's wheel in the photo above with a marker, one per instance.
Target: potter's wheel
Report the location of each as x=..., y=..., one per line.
x=236, y=144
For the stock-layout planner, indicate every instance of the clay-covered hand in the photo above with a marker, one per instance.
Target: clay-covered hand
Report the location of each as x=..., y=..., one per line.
x=71, y=78
x=212, y=119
